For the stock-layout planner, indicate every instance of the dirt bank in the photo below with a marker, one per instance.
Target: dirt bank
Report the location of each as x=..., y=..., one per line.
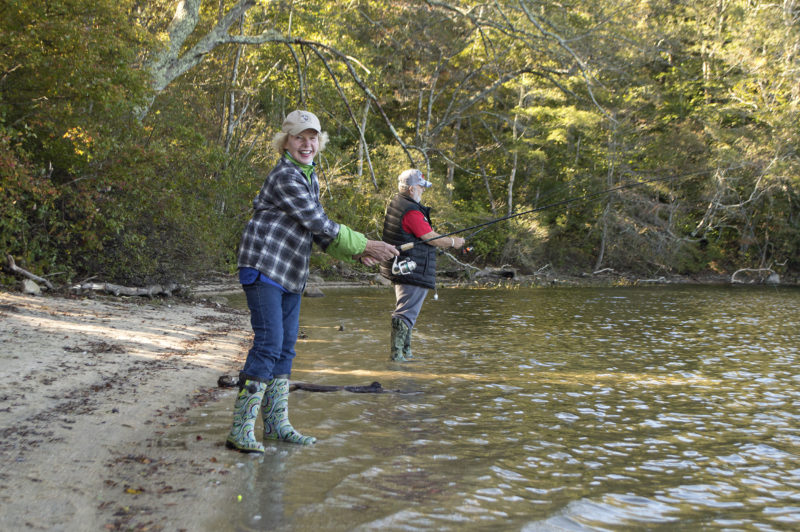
x=90, y=388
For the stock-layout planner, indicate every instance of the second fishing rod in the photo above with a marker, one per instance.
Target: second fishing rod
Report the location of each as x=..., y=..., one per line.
x=409, y=245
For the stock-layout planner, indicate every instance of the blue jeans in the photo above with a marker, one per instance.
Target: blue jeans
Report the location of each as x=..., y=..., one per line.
x=275, y=318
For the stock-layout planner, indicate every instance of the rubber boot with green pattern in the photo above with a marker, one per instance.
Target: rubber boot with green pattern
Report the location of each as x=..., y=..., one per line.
x=275, y=410
x=245, y=411
x=400, y=333
x=407, y=346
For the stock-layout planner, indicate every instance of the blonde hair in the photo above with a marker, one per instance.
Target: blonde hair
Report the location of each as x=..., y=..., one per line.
x=279, y=141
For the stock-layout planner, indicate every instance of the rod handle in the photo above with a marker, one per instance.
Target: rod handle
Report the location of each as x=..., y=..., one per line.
x=406, y=246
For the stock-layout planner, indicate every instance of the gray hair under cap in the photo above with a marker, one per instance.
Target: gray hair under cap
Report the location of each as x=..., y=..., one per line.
x=412, y=177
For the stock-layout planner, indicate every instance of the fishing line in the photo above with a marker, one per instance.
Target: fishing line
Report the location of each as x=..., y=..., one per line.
x=591, y=195
x=550, y=193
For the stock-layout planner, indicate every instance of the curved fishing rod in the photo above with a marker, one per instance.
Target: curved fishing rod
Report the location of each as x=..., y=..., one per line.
x=410, y=245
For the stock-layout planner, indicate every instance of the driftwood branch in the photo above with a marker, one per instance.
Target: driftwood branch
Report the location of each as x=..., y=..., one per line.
x=230, y=381
x=462, y=264
x=764, y=274
x=12, y=265
x=661, y=279
x=118, y=290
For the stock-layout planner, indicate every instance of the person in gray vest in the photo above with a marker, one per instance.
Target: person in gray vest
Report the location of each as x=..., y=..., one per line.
x=408, y=221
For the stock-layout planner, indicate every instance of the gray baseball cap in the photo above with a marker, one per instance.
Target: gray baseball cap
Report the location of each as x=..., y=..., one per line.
x=411, y=178
x=298, y=121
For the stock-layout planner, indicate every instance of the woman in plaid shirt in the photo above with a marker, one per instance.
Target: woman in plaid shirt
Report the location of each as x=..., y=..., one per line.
x=273, y=269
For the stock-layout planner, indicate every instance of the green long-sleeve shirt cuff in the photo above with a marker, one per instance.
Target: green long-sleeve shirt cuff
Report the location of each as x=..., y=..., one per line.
x=346, y=244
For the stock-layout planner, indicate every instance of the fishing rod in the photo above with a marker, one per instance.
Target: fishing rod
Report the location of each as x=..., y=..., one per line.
x=409, y=245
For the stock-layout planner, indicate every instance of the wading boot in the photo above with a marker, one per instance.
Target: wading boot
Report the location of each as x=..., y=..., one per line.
x=276, y=414
x=245, y=411
x=407, y=346
x=400, y=335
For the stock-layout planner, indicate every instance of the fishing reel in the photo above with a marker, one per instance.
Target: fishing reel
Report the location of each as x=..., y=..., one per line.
x=404, y=267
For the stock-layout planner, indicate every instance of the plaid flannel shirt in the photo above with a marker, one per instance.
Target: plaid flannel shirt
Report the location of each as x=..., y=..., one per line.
x=287, y=218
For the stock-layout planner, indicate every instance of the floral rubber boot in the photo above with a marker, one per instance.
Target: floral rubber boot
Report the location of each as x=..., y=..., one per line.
x=245, y=411
x=275, y=410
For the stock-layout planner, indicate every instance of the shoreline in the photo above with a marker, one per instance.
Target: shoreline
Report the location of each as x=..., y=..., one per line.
x=506, y=277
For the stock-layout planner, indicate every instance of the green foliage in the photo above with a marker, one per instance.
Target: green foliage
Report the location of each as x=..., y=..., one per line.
x=570, y=99
x=66, y=94
x=27, y=204
x=168, y=215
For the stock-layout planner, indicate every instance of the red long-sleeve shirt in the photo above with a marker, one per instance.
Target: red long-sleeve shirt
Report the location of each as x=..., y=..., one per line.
x=414, y=223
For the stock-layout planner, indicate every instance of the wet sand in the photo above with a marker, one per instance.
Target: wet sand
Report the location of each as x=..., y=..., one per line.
x=90, y=389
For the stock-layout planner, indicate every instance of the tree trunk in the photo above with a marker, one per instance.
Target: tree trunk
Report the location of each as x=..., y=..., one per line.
x=169, y=63
x=612, y=155
x=488, y=190
x=362, y=147
x=511, y=179
x=516, y=135
x=231, y=121
x=451, y=165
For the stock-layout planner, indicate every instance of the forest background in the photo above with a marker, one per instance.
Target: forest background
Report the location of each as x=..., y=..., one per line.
x=134, y=134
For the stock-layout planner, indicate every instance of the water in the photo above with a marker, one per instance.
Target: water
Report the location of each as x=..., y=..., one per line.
x=656, y=408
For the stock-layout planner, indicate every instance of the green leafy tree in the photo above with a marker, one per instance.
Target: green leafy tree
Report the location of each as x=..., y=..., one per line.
x=66, y=93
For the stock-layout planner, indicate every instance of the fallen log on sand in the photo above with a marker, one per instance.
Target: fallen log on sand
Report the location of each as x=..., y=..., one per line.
x=12, y=266
x=119, y=290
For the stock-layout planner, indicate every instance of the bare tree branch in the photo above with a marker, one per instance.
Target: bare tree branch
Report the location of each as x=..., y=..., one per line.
x=353, y=118
x=169, y=63
x=563, y=43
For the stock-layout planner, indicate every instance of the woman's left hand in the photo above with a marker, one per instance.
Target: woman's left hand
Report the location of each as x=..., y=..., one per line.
x=375, y=252
x=379, y=250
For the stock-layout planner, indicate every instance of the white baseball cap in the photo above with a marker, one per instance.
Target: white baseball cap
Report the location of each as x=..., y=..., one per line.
x=298, y=121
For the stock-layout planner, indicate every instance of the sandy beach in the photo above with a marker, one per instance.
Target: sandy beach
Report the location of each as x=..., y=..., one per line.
x=90, y=388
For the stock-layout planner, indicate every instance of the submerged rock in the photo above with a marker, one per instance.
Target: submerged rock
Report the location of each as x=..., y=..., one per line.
x=312, y=291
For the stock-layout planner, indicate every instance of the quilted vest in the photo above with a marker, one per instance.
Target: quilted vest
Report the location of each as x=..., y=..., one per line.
x=423, y=254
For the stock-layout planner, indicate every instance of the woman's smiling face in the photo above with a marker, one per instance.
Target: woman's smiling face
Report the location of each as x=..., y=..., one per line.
x=304, y=146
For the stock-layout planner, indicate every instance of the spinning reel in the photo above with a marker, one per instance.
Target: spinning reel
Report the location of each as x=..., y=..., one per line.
x=404, y=267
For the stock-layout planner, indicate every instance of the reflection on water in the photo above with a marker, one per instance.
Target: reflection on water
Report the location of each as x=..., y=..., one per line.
x=541, y=409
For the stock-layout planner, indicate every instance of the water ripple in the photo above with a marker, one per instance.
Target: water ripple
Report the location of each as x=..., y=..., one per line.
x=564, y=409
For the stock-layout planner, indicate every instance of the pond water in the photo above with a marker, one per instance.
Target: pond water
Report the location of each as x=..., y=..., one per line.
x=658, y=408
